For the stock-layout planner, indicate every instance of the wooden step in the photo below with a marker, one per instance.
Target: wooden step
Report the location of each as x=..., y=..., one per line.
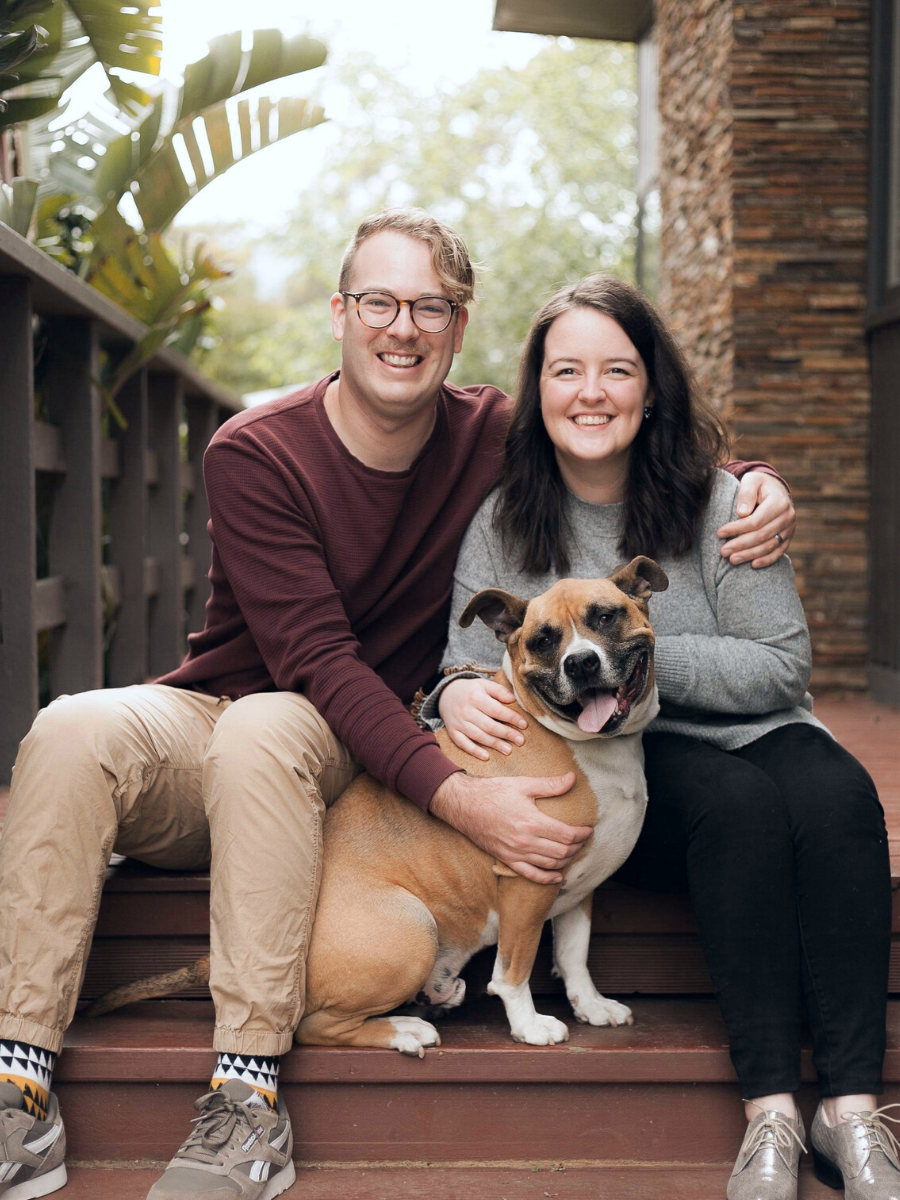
x=643, y=943
x=420, y=1181
x=660, y=1091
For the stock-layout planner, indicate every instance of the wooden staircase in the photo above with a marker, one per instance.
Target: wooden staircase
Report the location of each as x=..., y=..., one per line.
x=652, y=1110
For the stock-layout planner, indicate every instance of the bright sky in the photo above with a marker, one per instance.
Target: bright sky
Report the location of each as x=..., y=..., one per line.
x=429, y=46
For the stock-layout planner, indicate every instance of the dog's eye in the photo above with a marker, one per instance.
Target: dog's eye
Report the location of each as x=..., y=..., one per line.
x=606, y=618
x=541, y=643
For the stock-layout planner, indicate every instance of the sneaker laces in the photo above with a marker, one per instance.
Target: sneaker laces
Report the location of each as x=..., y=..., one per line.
x=874, y=1125
x=219, y=1117
x=776, y=1130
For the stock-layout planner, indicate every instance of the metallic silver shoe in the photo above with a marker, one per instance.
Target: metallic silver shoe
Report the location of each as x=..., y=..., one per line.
x=859, y=1155
x=766, y=1167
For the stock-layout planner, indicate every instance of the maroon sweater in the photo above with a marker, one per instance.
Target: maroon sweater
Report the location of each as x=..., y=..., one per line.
x=332, y=578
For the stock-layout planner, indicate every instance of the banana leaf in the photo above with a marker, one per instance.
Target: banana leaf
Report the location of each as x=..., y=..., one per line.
x=75, y=34
x=17, y=204
x=161, y=189
x=97, y=162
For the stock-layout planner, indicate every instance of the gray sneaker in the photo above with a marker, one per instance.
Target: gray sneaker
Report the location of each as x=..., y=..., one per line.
x=31, y=1151
x=239, y=1150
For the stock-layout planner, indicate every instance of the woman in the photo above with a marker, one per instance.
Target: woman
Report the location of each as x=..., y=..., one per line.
x=773, y=828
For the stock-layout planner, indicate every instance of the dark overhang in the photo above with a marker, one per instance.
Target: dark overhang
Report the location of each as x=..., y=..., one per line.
x=612, y=20
x=617, y=21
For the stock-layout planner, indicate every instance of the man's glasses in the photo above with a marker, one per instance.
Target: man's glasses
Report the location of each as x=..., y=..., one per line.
x=431, y=314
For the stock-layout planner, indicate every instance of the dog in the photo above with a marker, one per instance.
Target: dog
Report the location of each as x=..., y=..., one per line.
x=406, y=899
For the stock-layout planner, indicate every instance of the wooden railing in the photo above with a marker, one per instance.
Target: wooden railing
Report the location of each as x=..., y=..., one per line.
x=124, y=562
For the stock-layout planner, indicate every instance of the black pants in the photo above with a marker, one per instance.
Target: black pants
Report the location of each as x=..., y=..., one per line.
x=783, y=849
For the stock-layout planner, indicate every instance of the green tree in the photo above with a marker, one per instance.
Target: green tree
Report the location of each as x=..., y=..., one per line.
x=535, y=167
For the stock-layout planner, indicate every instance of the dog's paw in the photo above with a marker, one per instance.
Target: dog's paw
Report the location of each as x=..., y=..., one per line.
x=541, y=1031
x=597, y=1010
x=413, y=1035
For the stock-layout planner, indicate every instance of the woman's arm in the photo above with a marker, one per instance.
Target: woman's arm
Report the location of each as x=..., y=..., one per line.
x=761, y=659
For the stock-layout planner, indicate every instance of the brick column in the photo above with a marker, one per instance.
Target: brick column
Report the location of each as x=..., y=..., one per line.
x=764, y=158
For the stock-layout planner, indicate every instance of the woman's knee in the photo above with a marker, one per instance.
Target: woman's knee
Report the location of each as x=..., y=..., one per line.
x=822, y=785
x=741, y=809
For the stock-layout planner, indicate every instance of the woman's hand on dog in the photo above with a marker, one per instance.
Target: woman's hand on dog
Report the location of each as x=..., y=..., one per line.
x=475, y=714
x=500, y=816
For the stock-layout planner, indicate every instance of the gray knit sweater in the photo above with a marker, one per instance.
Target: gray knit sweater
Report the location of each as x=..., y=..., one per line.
x=732, y=647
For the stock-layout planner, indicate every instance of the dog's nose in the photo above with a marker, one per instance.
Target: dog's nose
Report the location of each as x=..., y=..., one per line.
x=580, y=667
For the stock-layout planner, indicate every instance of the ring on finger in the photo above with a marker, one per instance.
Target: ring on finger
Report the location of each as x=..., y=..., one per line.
x=779, y=539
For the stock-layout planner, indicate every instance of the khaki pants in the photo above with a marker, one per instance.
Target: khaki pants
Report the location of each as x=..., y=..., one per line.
x=181, y=780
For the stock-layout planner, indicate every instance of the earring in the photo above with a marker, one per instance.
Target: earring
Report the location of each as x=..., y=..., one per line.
x=648, y=412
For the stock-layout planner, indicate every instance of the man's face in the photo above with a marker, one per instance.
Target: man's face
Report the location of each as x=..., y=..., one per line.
x=396, y=371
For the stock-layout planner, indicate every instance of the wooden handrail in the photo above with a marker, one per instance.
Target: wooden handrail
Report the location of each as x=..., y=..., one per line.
x=123, y=518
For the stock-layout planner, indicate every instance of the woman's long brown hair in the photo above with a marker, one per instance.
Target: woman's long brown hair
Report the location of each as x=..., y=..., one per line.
x=673, y=457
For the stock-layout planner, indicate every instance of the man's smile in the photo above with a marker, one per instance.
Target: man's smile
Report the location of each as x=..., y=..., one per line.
x=402, y=362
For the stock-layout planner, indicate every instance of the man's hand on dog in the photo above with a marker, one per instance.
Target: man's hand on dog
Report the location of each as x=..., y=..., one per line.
x=500, y=816
x=764, y=509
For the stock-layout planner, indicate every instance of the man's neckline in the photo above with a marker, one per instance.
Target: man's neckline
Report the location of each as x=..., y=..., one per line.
x=331, y=433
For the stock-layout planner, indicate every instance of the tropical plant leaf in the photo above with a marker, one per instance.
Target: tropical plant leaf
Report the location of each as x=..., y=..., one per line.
x=17, y=204
x=76, y=34
x=137, y=271
x=226, y=70
x=161, y=188
x=123, y=33
x=223, y=73
x=14, y=49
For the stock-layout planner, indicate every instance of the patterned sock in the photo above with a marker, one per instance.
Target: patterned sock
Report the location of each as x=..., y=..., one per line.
x=258, y=1070
x=30, y=1068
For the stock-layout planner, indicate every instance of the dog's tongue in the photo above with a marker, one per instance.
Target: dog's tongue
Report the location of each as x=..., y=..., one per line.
x=598, y=707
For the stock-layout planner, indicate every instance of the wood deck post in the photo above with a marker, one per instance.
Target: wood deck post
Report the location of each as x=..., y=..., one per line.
x=18, y=565
x=203, y=420
x=74, y=544
x=127, y=661
x=165, y=517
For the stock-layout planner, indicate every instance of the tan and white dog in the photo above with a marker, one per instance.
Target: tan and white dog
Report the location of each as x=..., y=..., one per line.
x=406, y=900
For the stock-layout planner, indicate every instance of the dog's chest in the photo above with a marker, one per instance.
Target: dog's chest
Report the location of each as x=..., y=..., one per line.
x=614, y=768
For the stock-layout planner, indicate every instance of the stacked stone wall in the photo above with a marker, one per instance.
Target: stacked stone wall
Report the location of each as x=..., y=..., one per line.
x=696, y=239
x=784, y=85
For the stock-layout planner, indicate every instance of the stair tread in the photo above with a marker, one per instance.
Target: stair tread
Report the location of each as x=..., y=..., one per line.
x=460, y=1183
x=672, y=1040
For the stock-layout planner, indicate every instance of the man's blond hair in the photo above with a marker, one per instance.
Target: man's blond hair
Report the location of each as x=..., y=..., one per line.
x=448, y=251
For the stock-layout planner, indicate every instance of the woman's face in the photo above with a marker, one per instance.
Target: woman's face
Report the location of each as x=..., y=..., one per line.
x=593, y=389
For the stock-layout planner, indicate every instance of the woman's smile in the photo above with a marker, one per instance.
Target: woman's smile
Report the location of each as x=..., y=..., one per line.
x=591, y=419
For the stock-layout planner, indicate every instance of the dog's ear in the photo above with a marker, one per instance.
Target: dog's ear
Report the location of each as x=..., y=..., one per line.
x=501, y=611
x=640, y=578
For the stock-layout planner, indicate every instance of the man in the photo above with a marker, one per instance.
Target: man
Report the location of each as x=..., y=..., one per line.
x=336, y=515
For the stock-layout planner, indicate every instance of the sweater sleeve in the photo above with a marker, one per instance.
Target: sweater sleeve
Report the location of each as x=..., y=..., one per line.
x=761, y=659
x=277, y=569
x=739, y=469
